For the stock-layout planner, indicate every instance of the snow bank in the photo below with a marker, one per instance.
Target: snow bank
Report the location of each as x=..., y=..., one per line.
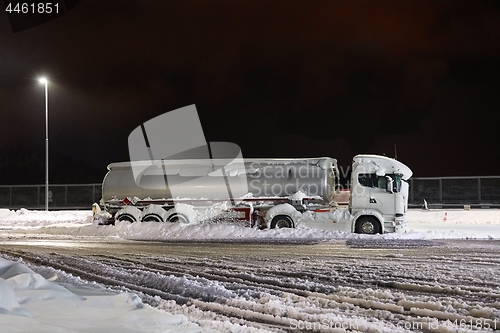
x=215, y=231
x=26, y=218
x=30, y=303
x=455, y=223
x=454, y=216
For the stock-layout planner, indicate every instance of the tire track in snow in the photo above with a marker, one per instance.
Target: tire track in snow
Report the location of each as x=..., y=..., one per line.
x=374, y=291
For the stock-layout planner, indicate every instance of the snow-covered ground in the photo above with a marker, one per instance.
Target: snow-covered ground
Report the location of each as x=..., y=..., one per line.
x=31, y=303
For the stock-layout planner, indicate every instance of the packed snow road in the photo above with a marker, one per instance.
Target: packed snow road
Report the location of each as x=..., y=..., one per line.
x=354, y=285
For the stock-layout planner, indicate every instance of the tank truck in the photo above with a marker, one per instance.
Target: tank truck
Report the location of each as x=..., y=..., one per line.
x=261, y=193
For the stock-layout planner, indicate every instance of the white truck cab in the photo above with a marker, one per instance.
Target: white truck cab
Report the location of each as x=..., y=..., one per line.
x=379, y=194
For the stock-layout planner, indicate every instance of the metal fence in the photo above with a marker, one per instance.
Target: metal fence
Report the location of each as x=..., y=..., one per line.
x=442, y=191
x=77, y=196
x=449, y=191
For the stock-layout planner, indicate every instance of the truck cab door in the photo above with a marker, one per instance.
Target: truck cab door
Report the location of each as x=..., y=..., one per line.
x=383, y=196
x=361, y=189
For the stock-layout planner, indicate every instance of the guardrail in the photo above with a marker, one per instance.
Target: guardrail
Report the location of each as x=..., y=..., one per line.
x=455, y=191
x=69, y=196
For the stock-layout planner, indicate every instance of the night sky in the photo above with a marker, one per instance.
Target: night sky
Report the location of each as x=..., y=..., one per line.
x=278, y=78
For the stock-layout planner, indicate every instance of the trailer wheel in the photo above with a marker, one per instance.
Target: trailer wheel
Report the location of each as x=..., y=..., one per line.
x=367, y=225
x=178, y=218
x=152, y=218
x=180, y=214
x=154, y=213
x=129, y=214
x=282, y=221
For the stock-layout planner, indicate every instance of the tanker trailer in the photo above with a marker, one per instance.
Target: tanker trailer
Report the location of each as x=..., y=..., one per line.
x=261, y=192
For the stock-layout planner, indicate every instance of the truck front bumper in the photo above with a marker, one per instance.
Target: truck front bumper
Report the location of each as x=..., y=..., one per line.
x=399, y=226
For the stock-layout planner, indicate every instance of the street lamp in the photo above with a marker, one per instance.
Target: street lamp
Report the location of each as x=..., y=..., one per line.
x=45, y=82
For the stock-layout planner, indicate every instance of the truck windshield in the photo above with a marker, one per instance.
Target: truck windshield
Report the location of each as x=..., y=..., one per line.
x=372, y=180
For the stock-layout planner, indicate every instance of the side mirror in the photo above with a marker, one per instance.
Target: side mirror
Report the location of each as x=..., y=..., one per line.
x=389, y=185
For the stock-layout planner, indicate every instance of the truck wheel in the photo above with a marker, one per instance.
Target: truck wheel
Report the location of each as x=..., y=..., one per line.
x=367, y=225
x=282, y=221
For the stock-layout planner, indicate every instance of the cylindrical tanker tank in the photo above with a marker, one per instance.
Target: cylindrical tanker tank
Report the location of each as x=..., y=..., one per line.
x=221, y=178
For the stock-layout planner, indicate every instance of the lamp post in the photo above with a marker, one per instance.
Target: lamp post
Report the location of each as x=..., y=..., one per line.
x=45, y=82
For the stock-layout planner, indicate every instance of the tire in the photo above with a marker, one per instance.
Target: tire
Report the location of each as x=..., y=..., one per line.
x=181, y=213
x=152, y=218
x=129, y=214
x=154, y=213
x=178, y=218
x=368, y=225
x=282, y=221
x=126, y=217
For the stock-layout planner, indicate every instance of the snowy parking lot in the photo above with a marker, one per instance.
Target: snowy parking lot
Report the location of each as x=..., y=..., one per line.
x=440, y=276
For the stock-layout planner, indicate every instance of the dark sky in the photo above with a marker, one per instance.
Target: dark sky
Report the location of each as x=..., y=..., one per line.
x=278, y=78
